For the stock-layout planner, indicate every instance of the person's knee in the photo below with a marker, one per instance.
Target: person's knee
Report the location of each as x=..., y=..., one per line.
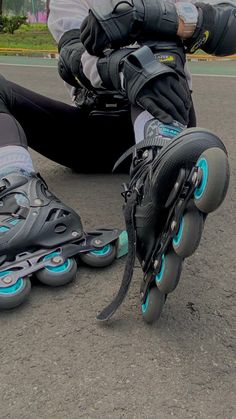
x=5, y=95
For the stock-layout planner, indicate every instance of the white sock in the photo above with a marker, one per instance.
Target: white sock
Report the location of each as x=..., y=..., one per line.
x=139, y=125
x=15, y=158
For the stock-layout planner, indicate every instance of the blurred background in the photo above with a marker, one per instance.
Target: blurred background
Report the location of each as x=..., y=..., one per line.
x=35, y=10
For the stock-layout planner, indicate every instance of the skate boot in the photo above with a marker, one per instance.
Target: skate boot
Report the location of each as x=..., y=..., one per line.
x=42, y=236
x=177, y=177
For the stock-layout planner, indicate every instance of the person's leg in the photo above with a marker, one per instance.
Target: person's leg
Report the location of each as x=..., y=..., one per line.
x=38, y=233
x=41, y=123
x=64, y=133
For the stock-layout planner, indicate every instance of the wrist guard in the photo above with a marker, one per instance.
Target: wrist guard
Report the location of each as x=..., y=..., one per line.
x=128, y=70
x=70, y=67
x=216, y=29
x=124, y=22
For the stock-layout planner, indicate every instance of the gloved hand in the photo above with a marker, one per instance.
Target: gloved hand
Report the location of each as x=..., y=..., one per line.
x=93, y=36
x=167, y=98
x=113, y=24
x=155, y=81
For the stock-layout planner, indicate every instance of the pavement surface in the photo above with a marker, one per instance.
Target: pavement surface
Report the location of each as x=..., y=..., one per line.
x=57, y=362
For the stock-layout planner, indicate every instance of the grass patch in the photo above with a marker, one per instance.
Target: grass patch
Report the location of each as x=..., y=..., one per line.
x=34, y=36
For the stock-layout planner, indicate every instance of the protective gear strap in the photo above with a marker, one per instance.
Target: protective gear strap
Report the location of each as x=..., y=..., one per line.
x=216, y=29
x=69, y=64
x=125, y=21
x=109, y=68
x=128, y=70
x=139, y=68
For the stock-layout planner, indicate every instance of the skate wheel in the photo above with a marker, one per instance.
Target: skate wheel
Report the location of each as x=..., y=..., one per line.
x=101, y=257
x=14, y=295
x=168, y=276
x=189, y=233
x=152, y=308
x=209, y=195
x=56, y=276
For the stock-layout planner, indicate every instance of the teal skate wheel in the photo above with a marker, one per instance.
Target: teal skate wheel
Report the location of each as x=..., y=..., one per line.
x=211, y=191
x=13, y=295
x=189, y=233
x=58, y=275
x=100, y=258
x=169, y=274
x=152, y=308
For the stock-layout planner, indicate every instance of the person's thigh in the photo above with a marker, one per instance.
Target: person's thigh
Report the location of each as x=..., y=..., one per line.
x=68, y=135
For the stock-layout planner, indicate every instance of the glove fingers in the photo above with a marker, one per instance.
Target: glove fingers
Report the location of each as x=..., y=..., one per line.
x=175, y=102
x=182, y=91
x=93, y=36
x=155, y=110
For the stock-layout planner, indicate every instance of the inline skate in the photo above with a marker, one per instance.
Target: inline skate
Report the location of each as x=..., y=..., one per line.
x=177, y=177
x=41, y=236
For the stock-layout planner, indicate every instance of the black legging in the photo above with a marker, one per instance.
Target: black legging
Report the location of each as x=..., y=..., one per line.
x=64, y=133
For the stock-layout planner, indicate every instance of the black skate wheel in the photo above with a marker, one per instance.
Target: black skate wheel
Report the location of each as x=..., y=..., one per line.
x=100, y=258
x=56, y=276
x=168, y=276
x=152, y=308
x=14, y=295
x=209, y=195
x=189, y=233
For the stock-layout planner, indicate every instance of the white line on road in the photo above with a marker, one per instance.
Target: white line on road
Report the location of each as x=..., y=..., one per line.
x=213, y=75
x=54, y=66
x=28, y=65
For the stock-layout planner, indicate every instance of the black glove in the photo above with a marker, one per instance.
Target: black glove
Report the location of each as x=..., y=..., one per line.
x=157, y=82
x=119, y=23
x=167, y=98
x=93, y=35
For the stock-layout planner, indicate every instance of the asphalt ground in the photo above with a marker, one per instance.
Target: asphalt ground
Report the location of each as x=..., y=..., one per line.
x=57, y=362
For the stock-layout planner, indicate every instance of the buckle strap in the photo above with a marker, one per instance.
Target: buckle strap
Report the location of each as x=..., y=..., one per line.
x=108, y=311
x=149, y=142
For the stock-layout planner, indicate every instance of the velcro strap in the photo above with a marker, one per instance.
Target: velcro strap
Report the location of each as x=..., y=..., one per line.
x=109, y=68
x=140, y=67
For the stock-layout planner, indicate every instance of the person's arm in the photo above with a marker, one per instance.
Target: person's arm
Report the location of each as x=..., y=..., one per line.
x=75, y=64
x=210, y=27
x=216, y=29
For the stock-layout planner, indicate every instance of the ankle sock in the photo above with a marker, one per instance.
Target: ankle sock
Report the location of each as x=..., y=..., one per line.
x=139, y=125
x=15, y=158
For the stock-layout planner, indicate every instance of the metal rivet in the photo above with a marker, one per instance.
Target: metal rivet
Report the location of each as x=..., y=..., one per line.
x=7, y=279
x=173, y=225
x=38, y=201
x=97, y=241
x=156, y=263
x=74, y=233
x=57, y=259
x=194, y=177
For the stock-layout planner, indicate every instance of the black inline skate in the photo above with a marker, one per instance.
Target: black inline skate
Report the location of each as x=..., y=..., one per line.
x=42, y=236
x=174, y=184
